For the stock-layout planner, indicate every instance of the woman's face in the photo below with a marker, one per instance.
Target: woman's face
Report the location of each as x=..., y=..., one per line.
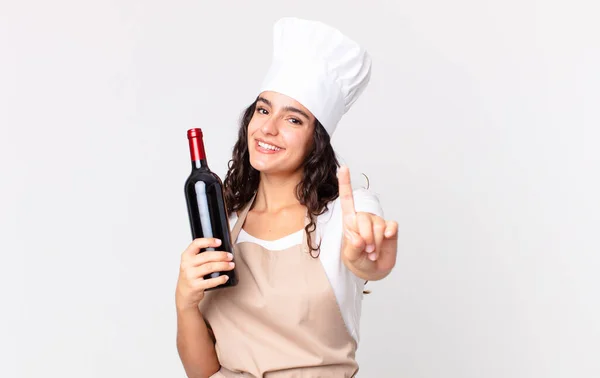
x=280, y=134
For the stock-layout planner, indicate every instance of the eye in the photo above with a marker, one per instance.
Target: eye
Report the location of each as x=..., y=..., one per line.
x=295, y=121
x=262, y=110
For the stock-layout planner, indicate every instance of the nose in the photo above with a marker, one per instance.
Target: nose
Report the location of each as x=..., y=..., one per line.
x=269, y=126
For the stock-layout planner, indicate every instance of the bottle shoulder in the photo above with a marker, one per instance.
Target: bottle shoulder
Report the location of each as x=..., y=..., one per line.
x=203, y=175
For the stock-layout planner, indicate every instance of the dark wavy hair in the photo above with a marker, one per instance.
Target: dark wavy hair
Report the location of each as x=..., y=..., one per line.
x=317, y=188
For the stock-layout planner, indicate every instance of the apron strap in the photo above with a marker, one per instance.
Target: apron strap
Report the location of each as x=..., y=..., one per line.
x=241, y=219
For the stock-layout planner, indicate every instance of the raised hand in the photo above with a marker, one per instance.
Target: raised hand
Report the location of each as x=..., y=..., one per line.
x=370, y=242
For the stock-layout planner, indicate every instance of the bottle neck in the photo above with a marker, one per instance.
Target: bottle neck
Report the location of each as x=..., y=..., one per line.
x=199, y=164
x=197, y=153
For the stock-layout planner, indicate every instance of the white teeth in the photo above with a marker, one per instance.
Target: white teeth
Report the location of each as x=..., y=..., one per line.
x=268, y=146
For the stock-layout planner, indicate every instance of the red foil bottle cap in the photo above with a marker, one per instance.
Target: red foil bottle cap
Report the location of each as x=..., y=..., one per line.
x=194, y=133
x=196, y=144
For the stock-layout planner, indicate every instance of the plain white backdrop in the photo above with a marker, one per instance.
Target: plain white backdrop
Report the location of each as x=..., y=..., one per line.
x=479, y=131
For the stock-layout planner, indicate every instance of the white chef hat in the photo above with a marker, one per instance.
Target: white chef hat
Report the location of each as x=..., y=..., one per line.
x=318, y=66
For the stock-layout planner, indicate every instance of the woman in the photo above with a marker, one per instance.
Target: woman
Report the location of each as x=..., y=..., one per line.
x=305, y=241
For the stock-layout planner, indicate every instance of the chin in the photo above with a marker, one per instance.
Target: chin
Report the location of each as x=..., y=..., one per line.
x=264, y=168
x=258, y=164
x=273, y=168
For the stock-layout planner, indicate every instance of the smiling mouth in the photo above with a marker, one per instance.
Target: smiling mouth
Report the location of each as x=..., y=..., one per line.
x=269, y=147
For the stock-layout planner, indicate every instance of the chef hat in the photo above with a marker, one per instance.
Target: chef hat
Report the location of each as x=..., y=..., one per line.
x=318, y=66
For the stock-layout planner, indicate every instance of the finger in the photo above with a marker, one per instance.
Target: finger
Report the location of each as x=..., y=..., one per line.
x=201, y=284
x=211, y=267
x=205, y=257
x=200, y=243
x=345, y=192
x=391, y=230
x=354, y=245
x=378, y=234
x=365, y=229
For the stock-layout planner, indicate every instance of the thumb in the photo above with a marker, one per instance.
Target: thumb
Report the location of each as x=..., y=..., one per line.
x=354, y=244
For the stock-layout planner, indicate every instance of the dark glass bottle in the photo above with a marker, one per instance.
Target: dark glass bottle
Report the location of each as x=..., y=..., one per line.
x=206, y=205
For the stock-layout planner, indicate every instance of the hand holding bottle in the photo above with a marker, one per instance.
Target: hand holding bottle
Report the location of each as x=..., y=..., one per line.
x=195, y=266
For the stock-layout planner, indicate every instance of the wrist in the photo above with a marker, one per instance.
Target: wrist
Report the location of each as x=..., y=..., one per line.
x=185, y=309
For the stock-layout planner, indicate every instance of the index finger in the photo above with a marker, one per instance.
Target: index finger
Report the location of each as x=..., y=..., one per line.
x=345, y=189
x=197, y=244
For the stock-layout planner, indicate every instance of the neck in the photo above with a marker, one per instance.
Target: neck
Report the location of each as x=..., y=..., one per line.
x=276, y=192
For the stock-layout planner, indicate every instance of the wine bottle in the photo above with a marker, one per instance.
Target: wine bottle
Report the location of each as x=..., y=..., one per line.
x=207, y=212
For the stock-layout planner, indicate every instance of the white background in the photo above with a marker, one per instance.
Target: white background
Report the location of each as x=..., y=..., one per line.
x=479, y=131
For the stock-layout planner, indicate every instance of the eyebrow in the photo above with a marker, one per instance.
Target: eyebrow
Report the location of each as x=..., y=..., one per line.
x=285, y=108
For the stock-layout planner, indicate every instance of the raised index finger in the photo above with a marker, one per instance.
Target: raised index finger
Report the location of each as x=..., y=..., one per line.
x=345, y=188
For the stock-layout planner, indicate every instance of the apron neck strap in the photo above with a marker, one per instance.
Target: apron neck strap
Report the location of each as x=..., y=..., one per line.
x=241, y=219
